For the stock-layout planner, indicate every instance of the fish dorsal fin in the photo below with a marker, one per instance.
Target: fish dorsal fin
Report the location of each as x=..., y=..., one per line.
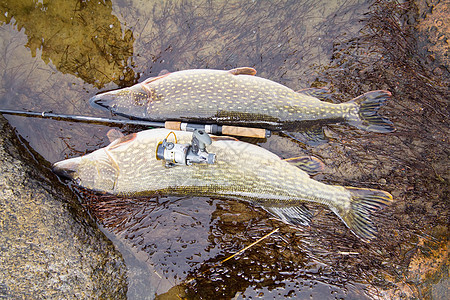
x=122, y=141
x=310, y=164
x=319, y=93
x=243, y=71
x=293, y=215
x=151, y=79
x=114, y=134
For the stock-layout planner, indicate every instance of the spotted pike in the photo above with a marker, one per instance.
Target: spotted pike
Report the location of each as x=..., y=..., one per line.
x=236, y=97
x=244, y=171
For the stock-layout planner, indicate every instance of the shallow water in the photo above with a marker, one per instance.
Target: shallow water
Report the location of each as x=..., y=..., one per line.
x=56, y=55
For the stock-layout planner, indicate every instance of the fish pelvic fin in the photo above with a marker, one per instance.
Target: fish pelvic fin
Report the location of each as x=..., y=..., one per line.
x=367, y=117
x=292, y=215
x=310, y=164
x=363, y=203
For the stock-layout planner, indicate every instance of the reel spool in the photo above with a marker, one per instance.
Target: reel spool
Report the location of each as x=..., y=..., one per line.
x=186, y=154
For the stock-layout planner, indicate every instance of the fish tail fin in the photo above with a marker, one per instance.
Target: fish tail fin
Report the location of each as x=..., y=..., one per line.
x=367, y=117
x=363, y=203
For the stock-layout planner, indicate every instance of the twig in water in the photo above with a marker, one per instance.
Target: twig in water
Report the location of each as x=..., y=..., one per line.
x=240, y=251
x=254, y=243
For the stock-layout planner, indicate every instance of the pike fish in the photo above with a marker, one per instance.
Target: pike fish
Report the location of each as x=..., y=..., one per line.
x=242, y=171
x=237, y=97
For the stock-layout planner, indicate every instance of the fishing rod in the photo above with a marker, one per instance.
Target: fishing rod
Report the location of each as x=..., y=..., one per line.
x=173, y=125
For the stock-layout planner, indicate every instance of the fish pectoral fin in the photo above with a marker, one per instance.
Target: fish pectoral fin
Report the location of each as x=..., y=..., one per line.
x=319, y=93
x=114, y=134
x=163, y=72
x=123, y=140
x=292, y=215
x=310, y=164
x=243, y=71
x=151, y=79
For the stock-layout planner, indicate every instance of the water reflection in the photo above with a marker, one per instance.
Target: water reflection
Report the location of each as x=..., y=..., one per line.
x=82, y=38
x=187, y=238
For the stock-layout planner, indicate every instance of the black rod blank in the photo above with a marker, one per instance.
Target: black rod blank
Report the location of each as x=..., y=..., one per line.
x=209, y=128
x=49, y=115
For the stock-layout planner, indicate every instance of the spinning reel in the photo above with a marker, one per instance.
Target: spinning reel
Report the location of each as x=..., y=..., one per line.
x=186, y=154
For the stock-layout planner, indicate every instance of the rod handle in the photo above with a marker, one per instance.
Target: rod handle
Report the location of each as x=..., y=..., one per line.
x=245, y=131
x=260, y=133
x=173, y=125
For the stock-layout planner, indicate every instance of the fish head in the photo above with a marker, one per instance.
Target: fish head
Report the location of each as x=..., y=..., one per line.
x=94, y=171
x=67, y=168
x=126, y=101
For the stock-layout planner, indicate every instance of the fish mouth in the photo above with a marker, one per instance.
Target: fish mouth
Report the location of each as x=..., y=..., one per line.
x=67, y=168
x=113, y=99
x=103, y=100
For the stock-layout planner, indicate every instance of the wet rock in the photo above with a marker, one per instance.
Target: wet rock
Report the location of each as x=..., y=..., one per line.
x=48, y=246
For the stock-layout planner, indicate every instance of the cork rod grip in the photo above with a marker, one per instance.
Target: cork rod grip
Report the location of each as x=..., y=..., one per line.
x=174, y=125
x=244, y=131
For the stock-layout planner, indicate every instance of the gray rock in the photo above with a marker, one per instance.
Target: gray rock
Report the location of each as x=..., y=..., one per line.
x=49, y=247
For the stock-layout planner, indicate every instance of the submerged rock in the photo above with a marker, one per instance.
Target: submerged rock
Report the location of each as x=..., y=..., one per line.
x=48, y=246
